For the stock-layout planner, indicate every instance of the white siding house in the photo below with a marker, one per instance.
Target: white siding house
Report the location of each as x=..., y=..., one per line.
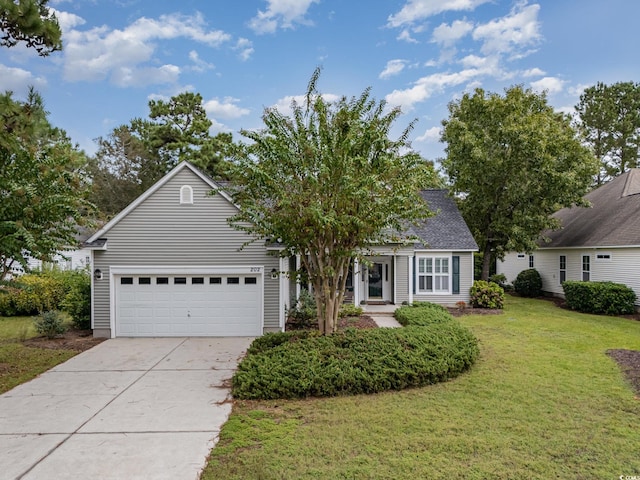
x=596, y=243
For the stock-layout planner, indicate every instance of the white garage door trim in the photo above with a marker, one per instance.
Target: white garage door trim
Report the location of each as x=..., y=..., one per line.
x=115, y=272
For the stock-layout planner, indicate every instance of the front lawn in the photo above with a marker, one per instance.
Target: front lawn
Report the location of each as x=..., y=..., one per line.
x=19, y=362
x=543, y=401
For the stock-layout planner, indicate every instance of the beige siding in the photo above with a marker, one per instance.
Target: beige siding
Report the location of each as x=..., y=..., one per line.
x=162, y=232
x=402, y=279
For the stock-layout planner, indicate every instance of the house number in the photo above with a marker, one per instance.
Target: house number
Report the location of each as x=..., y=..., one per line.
x=254, y=269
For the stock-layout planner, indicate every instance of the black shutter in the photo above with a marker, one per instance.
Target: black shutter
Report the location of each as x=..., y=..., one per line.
x=415, y=275
x=456, y=274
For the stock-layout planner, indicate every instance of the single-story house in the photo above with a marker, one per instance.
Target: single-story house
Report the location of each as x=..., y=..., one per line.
x=170, y=265
x=597, y=243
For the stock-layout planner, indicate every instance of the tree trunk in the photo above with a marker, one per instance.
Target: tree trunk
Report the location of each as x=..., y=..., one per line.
x=486, y=263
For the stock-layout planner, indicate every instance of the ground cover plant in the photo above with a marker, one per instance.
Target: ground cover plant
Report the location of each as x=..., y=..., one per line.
x=305, y=364
x=543, y=401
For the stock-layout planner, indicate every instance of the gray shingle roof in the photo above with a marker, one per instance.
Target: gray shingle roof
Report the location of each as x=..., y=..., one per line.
x=612, y=220
x=447, y=230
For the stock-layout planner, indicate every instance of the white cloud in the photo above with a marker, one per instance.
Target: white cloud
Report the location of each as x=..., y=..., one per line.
x=394, y=67
x=245, y=48
x=199, y=65
x=533, y=72
x=18, y=80
x=549, y=84
x=425, y=87
x=405, y=36
x=281, y=14
x=283, y=105
x=67, y=20
x=417, y=10
x=120, y=55
x=520, y=28
x=431, y=135
x=448, y=35
x=227, y=108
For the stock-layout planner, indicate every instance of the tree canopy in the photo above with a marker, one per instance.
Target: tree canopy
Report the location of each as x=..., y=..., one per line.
x=42, y=185
x=32, y=22
x=134, y=156
x=328, y=183
x=513, y=161
x=609, y=119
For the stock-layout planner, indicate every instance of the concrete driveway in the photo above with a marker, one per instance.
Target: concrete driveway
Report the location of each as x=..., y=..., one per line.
x=147, y=408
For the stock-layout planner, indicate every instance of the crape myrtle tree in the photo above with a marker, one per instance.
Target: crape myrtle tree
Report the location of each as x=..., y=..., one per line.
x=512, y=161
x=31, y=22
x=609, y=120
x=43, y=187
x=328, y=183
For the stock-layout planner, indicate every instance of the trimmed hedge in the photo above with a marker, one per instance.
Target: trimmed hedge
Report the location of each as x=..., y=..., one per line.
x=599, y=297
x=528, y=283
x=487, y=295
x=304, y=364
x=421, y=314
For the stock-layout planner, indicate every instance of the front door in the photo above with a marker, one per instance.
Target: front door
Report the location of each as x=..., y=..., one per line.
x=376, y=277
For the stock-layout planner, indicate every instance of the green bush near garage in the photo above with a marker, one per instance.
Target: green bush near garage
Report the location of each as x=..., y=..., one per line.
x=302, y=364
x=421, y=314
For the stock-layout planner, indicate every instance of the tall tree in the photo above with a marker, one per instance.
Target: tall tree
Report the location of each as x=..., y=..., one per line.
x=178, y=130
x=133, y=157
x=609, y=119
x=329, y=183
x=32, y=22
x=42, y=185
x=513, y=161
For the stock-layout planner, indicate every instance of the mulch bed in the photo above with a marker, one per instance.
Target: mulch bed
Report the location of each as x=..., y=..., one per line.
x=363, y=321
x=78, y=340
x=629, y=363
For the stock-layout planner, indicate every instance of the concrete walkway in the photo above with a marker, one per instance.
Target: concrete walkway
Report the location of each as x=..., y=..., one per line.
x=126, y=409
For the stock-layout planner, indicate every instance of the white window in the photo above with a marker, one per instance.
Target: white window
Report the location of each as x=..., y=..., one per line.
x=586, y=268
x=531, y=263
x=563, y=268
x=433, y=274
x=603, y=257
x=521, y=256
x=186, y=194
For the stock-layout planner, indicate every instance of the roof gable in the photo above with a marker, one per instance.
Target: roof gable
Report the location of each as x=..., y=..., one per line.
x=159, y=184
x=447, y=230
x=612, y=220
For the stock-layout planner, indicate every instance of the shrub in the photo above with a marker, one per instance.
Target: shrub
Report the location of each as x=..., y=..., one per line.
x=7, y=301
x=487, y=295
x=354, y=361
x=50, y=323
x=498, y=278
x=528, y=283
x=422, y=314
x=599, y=297
x=350, y=310
x=77, y=301
x=304, y=313
x=37, y=293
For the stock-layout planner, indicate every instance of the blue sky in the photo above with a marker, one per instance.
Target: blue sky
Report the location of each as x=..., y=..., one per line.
x=245, y=55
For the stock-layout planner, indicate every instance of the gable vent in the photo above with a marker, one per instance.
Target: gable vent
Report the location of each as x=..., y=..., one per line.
x=186, y=194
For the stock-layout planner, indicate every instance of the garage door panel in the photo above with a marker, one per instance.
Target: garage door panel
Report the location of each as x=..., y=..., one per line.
x=158, y=306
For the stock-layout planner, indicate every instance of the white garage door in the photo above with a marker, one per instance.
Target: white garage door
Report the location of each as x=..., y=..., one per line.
x=188, y=305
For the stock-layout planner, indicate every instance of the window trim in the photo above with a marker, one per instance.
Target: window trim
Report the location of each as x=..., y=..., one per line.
x=433, y=274
x=603, y=257
x=532, y=261
x=562, y=268
x=186, y=195
x=588, y=270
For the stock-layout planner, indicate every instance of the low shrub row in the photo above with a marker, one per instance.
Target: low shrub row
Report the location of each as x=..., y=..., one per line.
x=32, y=294
x=304, y=364
x=599, y=297
x=421, y=314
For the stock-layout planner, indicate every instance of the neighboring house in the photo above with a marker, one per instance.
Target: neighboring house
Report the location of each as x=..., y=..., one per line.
x=597, y=243
x=68, y=259
x=170, y=265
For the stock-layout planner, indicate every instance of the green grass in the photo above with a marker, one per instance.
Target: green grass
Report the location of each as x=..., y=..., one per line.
x=543, y=401
x=19, y=363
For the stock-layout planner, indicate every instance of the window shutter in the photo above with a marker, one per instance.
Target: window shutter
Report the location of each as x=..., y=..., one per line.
x=455, y=260
x=415, y=275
